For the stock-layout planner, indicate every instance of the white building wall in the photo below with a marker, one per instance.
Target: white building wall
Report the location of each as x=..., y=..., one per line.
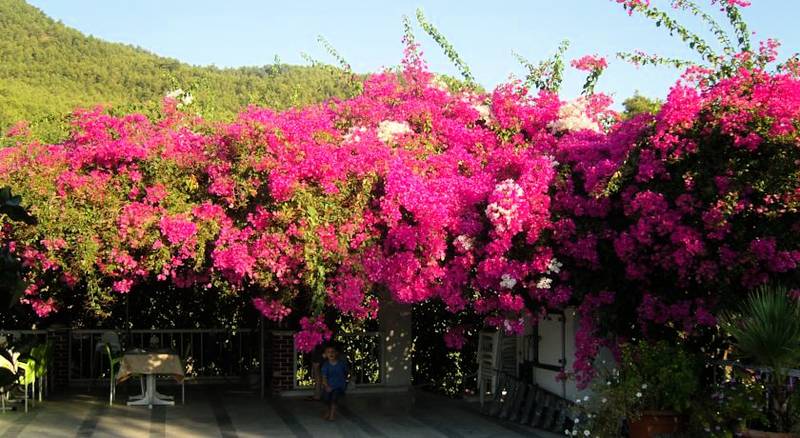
x=555, y=340
x=550, y=350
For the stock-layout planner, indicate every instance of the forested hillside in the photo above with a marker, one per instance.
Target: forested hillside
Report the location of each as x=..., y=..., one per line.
x=47, y=69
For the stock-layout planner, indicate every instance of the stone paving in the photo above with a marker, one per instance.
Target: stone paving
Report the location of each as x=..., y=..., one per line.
x=219, y=411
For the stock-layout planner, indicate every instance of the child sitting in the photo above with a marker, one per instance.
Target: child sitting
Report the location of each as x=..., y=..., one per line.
x=334, y=380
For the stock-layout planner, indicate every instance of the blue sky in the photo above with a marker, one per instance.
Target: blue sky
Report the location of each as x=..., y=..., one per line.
x=368, y=33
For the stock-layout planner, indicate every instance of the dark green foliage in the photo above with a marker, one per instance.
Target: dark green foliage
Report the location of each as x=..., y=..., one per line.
x=767, y=328
x=48, y=69
x=650, y=376
x=11, y=208
x=669, y=371
x=766, y=332
x=722, y=410
x=11, y=284
x=436, y=367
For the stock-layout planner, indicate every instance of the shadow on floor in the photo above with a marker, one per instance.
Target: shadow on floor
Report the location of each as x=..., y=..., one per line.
x=229, y=411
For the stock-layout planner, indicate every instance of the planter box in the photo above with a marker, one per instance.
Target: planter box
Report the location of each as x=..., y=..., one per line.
x=760, y=434
x=655, y=423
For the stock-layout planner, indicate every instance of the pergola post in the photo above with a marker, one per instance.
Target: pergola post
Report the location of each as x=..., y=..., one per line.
x=395, y=327
x=261, y=356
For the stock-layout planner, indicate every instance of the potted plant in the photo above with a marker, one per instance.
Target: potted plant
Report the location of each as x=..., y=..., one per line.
x=649, y=390
x=765, y=332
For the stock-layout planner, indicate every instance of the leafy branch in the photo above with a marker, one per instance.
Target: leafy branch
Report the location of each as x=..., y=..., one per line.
x=343, y=64
x=591, y=81
x=642, y=59
x=448, y=49
x=694, y=41
x=547, y=74
x=714, y=26
x=723, y=64
x=344, y=71
x=740, y=27
x=408, y=31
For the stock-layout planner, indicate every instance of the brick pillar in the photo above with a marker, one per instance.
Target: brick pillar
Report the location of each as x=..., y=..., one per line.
x=280, y=360
x=59, y=371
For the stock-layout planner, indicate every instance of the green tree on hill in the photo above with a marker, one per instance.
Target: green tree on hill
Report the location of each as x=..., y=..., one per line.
x=48, y=69
x=638, y=104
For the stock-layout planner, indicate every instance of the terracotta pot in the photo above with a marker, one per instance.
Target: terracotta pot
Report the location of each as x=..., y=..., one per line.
x=654, y=423
x=749, y=433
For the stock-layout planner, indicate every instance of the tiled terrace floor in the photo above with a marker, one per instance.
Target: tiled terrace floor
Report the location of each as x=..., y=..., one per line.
x=218, y=411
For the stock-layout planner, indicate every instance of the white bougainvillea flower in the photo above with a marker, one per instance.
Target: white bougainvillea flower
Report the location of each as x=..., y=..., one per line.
x=507, y=281
x=389, y=129
x=572, y=117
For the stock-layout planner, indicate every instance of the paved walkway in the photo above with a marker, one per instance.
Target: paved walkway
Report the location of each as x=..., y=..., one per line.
x=221, y=412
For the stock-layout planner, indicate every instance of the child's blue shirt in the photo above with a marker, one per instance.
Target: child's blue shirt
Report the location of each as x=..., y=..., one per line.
x=335, y=374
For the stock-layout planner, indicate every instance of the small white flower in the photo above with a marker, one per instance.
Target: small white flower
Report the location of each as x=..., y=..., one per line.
x=183, y=97
x=572, y=117
x=554, y=266
x=502, y=214
x=586, y=433
x=644, y=385
x=439, y=83
x=604, y=400
x=353, y=134
x=483, y=111
x=465, y=241
x=174, y=94
x=506, y=281
x=586, y=398
x=544, y=283
x=639, y=394
x=389, y=129
x=552, y=159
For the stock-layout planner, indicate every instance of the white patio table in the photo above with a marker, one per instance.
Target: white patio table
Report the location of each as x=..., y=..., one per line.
x=151, y=365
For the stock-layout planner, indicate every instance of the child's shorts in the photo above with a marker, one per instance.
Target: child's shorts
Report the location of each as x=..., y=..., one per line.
x=333, y=396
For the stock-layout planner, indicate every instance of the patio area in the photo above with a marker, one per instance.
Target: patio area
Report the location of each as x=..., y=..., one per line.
x=218, y=411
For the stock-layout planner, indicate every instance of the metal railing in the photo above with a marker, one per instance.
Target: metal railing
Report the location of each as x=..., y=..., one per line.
x=208, y=354
x=363, y=353
x=23, y=338
x=751, y=369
